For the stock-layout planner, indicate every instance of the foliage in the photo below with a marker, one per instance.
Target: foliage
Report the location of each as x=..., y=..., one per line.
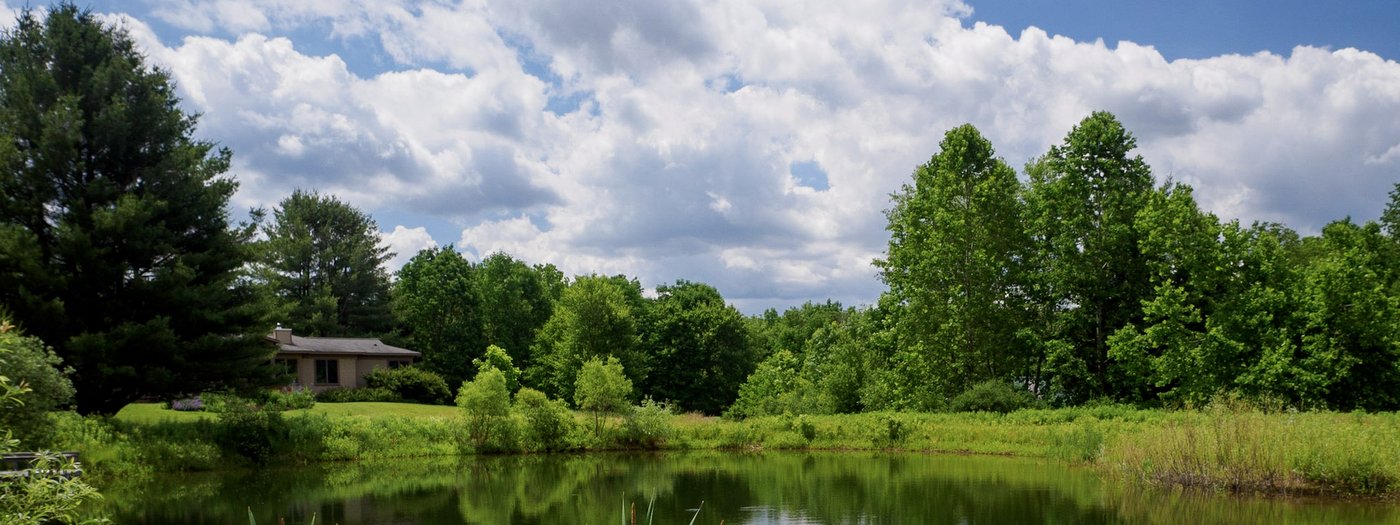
x=437, y=302
x=30, y=364
x=250, y=432
x=289, y=398
x=776, y=387
x=603, y=388
x=992, y=396
x=548, y=422
x=411, y=384
x=954, y=265
x=357, y=395
x=1089, y=276
x=596, y=317
x=486, y=403
x=324, y=260
x=517, y=301
x=698, y=347
x=497, y=358
x=648, y=425
x=115, y=244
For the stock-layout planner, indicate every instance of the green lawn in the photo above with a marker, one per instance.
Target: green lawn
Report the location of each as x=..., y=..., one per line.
x=155, y=412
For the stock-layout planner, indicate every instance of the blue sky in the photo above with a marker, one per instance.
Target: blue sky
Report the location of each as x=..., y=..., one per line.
x=753, y=144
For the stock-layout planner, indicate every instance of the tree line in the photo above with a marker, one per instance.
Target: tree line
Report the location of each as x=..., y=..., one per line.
x=1081, y=279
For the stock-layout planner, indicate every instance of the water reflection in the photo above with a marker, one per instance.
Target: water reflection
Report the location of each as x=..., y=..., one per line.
x=772, y=488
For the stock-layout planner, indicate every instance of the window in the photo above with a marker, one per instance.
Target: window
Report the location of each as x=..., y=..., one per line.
x=327, y=372
x=397, y=363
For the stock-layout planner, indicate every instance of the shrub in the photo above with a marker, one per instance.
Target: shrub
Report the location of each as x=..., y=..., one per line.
x=487, y=405
x=356, y=395
x=992, y=396
x=28, y=362
x=411, y=384
x=648, y=425
x=191, y=404
x=806, y=428
x=547, y=421
x=250, y=433
x=602, y=387
x=290, y=398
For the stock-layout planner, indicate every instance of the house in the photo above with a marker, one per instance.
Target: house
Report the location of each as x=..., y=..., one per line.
x=335, y=362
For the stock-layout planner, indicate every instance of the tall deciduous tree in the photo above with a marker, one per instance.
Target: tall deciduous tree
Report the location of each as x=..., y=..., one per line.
x=956, y=245
x=324, y=259
x=517, y=301
x=596, y=317
x=1083, y=201
x=698, y=348
x=438, y=305
x=115, y=241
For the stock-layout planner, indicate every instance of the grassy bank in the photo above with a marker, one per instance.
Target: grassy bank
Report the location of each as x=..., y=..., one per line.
x=1224, y=448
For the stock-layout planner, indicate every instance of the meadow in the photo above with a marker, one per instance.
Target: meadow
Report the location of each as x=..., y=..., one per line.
x=1223, y=448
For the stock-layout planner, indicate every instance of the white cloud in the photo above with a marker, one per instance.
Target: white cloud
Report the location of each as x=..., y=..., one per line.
x=406, y=243
x=675, y=163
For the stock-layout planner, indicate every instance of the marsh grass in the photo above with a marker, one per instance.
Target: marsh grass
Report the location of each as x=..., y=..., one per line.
x=1226, y=447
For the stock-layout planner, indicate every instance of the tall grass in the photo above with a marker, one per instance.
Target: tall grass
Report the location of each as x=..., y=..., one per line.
x=1234, y=448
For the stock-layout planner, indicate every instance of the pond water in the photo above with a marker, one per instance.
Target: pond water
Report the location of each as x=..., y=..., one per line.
x=731, y=488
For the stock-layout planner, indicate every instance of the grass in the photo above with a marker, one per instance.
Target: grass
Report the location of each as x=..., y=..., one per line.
x=1224, y=448
x=156, y=412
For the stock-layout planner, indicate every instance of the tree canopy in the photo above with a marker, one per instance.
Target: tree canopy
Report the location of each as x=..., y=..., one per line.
x=115, y=242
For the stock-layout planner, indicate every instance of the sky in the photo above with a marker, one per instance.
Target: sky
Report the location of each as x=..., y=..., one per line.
x=753, y=145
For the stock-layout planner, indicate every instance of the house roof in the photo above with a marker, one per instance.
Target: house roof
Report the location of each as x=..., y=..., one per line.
x=342, y=345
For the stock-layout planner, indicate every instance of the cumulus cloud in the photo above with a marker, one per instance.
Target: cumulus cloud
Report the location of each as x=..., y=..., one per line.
x=674, y=158
x=405, y=243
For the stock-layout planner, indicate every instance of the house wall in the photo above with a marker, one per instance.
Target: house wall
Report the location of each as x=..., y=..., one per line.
x=352, y=369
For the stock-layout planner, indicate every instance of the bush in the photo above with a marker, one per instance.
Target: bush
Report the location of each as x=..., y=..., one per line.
x=487, y=405
x=357, y=395
x=290, y=398
x=250, y=433
x=992, y=396
x=648, y=425
x=806, y=428
x=27, y=362
x=411, y=384
x=547, y=421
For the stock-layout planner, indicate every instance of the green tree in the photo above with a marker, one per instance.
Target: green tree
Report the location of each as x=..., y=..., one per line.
x=27, y=361
x=1173, y=355
x=437, y=303
x=518, y=300
x=324, y=259
x=115, y=241
x=956, y=242
x=487, y=405
x=698, y=348
x=547, y=421
x=1089, y=277
x=596, y=317
x=602, y=388
x=775, y=387
x=497, y=358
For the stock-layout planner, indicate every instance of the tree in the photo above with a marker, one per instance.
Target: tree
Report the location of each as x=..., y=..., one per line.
x=602, y=388
x=956, y=244
x=436, y=300
x=115, y=241
x=497, y=358
x=517, y=301
x=487, y=405
x=1089, y=276
x=324, y=259
x=698, y=348
x=596, y=317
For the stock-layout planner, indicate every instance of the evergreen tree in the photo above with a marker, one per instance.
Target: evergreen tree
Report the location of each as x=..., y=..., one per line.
x=324, y=260
x=115, y=241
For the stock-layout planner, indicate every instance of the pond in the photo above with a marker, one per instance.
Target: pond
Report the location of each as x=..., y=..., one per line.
x=725, y=487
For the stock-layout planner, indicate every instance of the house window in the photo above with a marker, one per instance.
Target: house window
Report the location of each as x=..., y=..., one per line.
x=286, y=366
x=327, y=372
x=397, y=363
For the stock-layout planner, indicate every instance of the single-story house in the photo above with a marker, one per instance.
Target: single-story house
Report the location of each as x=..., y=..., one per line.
x=335, y=362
